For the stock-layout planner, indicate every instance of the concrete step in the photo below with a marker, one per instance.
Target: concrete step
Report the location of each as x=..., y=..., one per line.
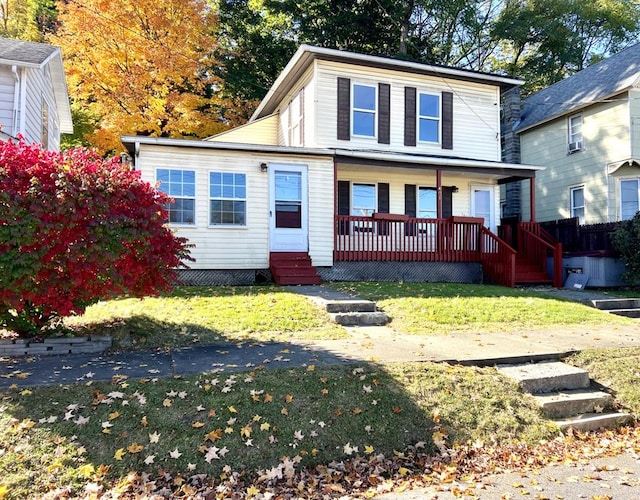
x=343, y=306
x=360, y=318
x=547, y=376
x=569, y=403
x=610, y=304
x=594, y=421
x=628, y=313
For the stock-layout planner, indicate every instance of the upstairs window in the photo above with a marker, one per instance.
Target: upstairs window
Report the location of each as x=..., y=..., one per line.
x=295, y=130
x=575, y=133
x=228, y=198
x=577, y=203
x=429, y=118
x=181, y=186
x=629, y=198
x=364, y=110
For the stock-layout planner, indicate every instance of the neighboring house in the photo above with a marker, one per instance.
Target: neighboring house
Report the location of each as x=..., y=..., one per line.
x=367, y=167
x=34, y=101
x=586, y=131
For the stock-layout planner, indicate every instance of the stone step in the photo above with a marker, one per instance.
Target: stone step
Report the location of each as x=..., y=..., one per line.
x=547, y=376
x=610, y=304
x=568, y=403
x=594, y=421
x=360, y=318
x=343, y=306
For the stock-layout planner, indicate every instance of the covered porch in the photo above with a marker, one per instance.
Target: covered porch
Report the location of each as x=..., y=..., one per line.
x=455, y=231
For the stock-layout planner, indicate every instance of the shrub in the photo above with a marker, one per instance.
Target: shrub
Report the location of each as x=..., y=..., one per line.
x=626, y=240
x=75, y=229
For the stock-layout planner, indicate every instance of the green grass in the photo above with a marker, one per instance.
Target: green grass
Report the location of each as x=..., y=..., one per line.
x=207, y=315
x=436, y=308
x=616, y=368
x=51, y=437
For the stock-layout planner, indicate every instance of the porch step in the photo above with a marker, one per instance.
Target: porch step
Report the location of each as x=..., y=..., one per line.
x=528, y=272
x=293, y=268
x=566, y=395
x=629, y=307
x=360, y=318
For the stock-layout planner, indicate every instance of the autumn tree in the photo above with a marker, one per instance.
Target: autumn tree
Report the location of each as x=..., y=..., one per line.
x=138, y=67
x=74, y=229
x=27, y=19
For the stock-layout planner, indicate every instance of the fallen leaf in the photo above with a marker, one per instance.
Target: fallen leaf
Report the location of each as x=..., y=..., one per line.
x=119, y=454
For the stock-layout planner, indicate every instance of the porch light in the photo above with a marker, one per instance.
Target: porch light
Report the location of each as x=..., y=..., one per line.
x=264, y=167
x=454, y=189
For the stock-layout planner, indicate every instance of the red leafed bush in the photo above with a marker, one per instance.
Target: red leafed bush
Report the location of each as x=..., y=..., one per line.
x=75, y=229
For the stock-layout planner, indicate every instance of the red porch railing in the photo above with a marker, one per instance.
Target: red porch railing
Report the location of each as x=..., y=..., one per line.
x=535, y=244
x=498, y=260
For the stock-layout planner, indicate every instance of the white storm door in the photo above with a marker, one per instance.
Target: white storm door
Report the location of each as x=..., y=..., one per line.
x=482, y=205
x=288, y=210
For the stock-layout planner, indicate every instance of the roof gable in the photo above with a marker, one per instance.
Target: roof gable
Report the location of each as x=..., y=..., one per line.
x=617, y=73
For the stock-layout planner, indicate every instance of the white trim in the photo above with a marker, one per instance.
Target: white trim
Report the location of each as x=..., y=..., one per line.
x=438, y=119
x=373, y=112
x=289, y=239
x=573, y=207
x=222, y=198
x=492, y=197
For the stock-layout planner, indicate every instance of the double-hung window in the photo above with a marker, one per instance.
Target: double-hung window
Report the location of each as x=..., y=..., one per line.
x=629, y=198
x=428, y=118
x=181, y=186
x=227, y=198
x=577, y=202
x=364, y=110
x=575, y=133
x=295, y=116
x=363, y=204
x=427, y=203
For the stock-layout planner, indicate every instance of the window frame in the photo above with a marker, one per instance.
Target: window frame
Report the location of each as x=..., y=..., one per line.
x=177, y=197
x=574, y=137
x=572, y=205
x=374, y=112
x=295, y=120
x=437, y=119
x=435, y=207
x=233, y=198
x=620, y=201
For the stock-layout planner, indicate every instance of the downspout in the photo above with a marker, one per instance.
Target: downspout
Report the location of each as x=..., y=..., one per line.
x=606, y=173
x=15, y=126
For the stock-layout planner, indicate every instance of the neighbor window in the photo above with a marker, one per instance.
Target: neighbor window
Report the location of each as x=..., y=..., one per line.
x=364, y=110
x=428, y=118
x=575, y=133
x=577, y=203
x=629, y=198
x=181, y=186
x=427, y=203
x=228, y=198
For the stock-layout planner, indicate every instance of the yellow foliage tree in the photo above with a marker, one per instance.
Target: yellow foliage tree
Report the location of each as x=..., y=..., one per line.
x=138, y=67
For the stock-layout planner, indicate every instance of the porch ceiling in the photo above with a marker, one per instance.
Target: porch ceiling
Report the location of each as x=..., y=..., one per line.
x=504, y=172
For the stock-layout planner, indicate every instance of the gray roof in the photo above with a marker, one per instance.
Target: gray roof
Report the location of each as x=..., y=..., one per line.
x=617, y=73
x=25, y=53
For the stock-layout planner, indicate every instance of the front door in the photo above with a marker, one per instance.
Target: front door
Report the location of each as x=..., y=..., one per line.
x=482, y=204
x=288, y=196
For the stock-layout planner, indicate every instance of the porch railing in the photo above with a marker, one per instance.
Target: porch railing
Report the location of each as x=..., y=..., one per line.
x=536, y=243
x=399, y=238
x=498, y=260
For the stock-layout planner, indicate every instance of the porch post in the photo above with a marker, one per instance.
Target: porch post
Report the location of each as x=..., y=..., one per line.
x=532, y=199
x=439, y=194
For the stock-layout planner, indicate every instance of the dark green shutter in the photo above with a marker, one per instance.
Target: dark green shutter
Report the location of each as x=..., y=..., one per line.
x=447, y=120
x=383, y=206
x=344, y=109
x=409, y=116
x=384, y=113
x=410, y=206
x=447, y=202
x=344, y=204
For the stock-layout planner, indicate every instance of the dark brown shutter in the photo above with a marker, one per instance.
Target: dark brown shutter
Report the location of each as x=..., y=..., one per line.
x=384, y=113
x=409, y=116
x=410, y=203
x=447, y=202
x=344, y=109
x=447, y=120
x=344, y=205
x=383, y=206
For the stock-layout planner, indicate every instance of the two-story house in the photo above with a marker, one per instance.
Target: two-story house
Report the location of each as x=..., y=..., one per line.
x=366, y=167
x=586, y=131
x=34, y=101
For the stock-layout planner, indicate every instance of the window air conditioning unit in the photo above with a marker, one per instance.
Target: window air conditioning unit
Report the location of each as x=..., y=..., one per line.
x=575, y=146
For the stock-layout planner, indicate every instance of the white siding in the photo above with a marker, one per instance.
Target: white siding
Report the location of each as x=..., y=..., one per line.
x=306, y=85
x=476, y=112
x=7, y=99
x=605, y=133
x=39, y=87
x=263, y=131
x=244, y=247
